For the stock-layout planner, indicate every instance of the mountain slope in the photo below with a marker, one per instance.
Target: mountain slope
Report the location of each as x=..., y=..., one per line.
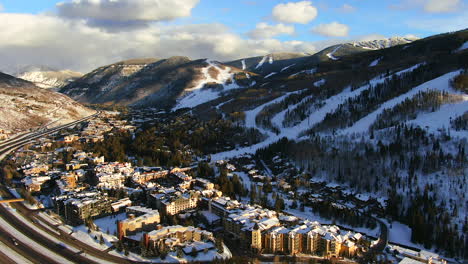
x=279, y=62
x=151, y=82
x=47, y=78
x=26, y=106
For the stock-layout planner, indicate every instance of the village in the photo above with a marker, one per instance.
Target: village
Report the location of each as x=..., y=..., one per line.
x=182, y=214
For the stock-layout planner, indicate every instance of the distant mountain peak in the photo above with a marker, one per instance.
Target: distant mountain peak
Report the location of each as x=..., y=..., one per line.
x=47, y=77
x=383, y=43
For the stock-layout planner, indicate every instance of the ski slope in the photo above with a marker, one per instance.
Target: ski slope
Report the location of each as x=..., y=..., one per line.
x=331, y=54
x=441, y=83
x=315, y=116
x=197, y=95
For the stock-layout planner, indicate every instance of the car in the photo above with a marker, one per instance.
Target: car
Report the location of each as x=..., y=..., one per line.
x=14, y=241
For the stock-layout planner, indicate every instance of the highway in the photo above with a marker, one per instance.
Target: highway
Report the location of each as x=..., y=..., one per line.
x=27, y=251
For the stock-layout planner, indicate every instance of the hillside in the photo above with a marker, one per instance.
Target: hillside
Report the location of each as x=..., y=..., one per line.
x=26, y=106
x=385, y=120
x=161, y=83
x=47, y=78
x=275, y=63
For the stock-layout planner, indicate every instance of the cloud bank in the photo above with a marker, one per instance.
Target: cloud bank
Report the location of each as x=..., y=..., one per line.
x=74, y=44
x=121, y=13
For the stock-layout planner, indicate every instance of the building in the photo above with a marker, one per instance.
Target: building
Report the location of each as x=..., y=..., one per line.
x=138, y=223
x=76, y=207
x=171, y=236
x=34, y=184
x=122, y=203
x=172, y=203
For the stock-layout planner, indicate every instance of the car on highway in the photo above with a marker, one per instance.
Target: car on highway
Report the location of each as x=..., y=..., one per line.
x=14, y=241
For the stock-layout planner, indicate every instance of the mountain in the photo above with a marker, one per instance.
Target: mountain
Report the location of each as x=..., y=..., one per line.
x=268, y=63
x=384, y=43
x=26, y=106
x=158, y=82
x=47, y=78
x=275, y=63
x=179, y=82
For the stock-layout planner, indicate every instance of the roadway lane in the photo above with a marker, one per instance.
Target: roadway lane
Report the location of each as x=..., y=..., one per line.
x=23, y=250
x=36, y=236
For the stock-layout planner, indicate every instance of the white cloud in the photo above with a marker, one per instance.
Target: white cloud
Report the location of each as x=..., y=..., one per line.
x=295, y=12
x=125, y=13
x=264, y=30
x=441, y=6
x=346, y=8
x=333, y=29
x=62, y=43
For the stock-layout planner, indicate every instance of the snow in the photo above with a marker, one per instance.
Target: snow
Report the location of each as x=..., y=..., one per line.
x=441, y=118
x=375, y=62
x=105, y=224
x=319, y=82
x=312, y=216
x=463, y=47
x=210, y=217
x=197, y=95
x=271, y=74
x=441, y=83
x=401, y=234
x=311, y=71
x=383, y=43
x=315, y=117
x=172, y=257
x=330, y=55
x=287, y=67
x=244, y=177
x=260, y=64
x=243, y=65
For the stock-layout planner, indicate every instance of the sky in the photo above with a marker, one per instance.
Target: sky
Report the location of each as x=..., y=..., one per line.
x=84, y=34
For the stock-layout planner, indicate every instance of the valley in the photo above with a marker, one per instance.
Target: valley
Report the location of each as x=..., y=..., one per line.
x=354, y=154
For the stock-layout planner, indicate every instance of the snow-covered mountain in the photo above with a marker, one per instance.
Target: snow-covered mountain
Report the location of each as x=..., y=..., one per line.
x=46, y=77
x=25, y=106
x=384, y=43
x=176, y=81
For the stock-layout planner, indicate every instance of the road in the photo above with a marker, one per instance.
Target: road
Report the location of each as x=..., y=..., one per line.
x=27, y=251
x=380, y=246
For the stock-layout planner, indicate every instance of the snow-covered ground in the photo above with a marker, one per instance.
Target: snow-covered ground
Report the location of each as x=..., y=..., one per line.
x=440, y=119
x=331, y=54
x=197, y=95
x=463, y=47
x=172, y=257
x=310, y=215
x=260, y=64
x=311, y=71
x=271, y=74
x=441, y=83
x=319, y=82
x=287, y=67
x=107, y=228
x=375, y=62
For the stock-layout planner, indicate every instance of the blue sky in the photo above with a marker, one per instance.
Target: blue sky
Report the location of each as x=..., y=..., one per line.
x=221, y=29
